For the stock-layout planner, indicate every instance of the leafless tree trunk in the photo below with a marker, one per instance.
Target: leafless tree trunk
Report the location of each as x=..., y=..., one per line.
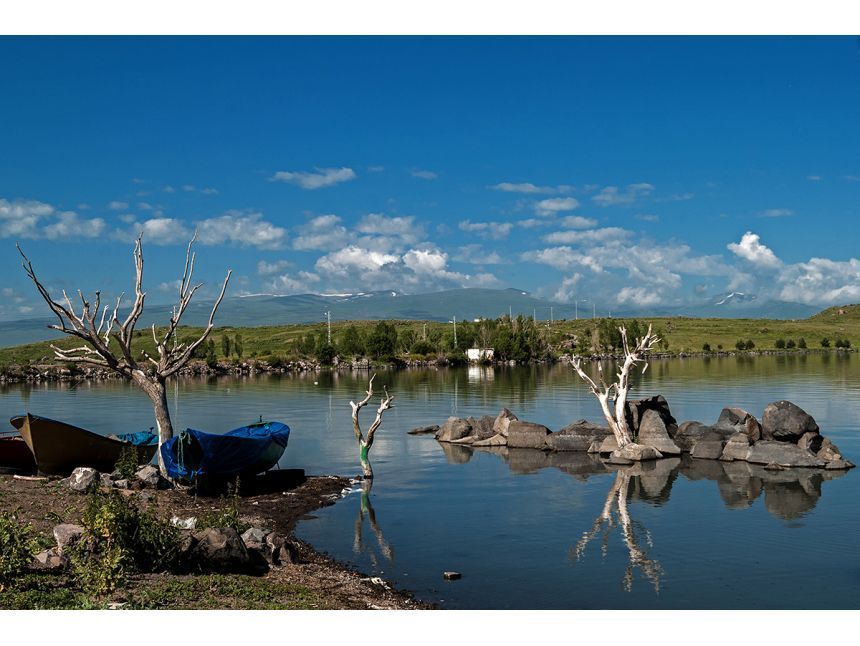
x=613, y=397
x=364, y=443
x=98, y=336
x=637, y=557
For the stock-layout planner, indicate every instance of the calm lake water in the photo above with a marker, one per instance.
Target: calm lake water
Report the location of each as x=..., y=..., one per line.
x=523, y=527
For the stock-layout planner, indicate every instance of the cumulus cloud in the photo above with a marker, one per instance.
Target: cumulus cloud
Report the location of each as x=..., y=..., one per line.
x=554, y=205
x=529, y=188
x=639, y=296
x=242, y=229
x=822, y=281
x=753, y=251
x=489, y=230
x=33, y=219
x=318, y=178
x=613, y=196
x=116, y=205
x=592, y=235
x=424, y=174
x=474, y=254
x=322, y=233
x=300, y=283
x=569, y=289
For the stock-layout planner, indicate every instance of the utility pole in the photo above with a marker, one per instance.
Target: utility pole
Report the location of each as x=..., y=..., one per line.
x=425, y=331
x=455, y=332
x=534, y=315
x=594, y=310
x=551, y=320
x=510, y=313
x=328, y=318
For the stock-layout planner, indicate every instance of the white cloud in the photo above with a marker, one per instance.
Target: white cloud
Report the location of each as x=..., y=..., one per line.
x=319, y=178
x=554, y=205
x=474, y=254
x=33, y=219
x=351, y=260
x=569, y=289
x=269, y=268
x=822, y=281
x=322, y=233
x=576, y=222
x=490, y=230
x=814, y=178
x=116, y=205
x=242, y=229
x=647, y=217
x=529, y=188
x=159, y=231
x=752, y=250
x=424, y=174
x=776, y=213
x=582, y=237
x=612, y=196
x=287, y=284
x=639, y=296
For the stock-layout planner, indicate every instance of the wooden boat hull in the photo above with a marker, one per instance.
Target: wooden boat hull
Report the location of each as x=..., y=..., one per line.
x=15, y=455
x=59, y=448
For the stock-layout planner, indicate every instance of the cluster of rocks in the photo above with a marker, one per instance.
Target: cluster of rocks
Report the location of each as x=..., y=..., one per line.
x=86, y=479
x=212, y=549
x=786, y=437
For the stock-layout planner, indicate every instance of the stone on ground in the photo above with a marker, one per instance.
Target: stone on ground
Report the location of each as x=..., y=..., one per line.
x=220, y=549
x=527, y=435
x=67, y=536
x=578, y=436
x=737, y=447
x=84, y=479
x=784, y=454
x=785, y=421
x=652, y=432
x=739, y=420
x=503, y=421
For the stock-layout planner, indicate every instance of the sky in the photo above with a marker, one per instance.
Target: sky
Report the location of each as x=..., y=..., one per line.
x=637, y=171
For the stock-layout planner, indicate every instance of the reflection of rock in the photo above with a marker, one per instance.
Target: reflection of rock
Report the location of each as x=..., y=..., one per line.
x=527, y=435
x=522, y=461
x=577, y=464
x=655, y=479
x=577, y=436
x=785, y=421
x=456, y=453
x=784, y=454
x=652, y=432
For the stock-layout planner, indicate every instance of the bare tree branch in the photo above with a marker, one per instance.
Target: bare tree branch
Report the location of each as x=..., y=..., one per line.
x=364, y=443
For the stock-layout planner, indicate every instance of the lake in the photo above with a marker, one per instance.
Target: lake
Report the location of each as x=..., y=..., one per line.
x=526, y=528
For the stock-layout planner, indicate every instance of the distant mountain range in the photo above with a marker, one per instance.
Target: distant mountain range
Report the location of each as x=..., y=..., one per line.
x=465, y=304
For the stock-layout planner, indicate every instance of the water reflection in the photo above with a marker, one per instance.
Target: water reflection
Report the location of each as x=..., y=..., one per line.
x=365, y=510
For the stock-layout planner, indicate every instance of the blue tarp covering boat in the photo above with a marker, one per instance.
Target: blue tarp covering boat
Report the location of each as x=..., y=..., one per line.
x=243, y=451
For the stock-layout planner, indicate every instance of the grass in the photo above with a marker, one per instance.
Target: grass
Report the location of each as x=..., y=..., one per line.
x=683, y=334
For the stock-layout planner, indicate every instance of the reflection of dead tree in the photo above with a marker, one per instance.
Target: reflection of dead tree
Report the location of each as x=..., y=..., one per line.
x=617, y=392
x=366, y=509
x=617, y=497
x=364, y=443
x=108, y=340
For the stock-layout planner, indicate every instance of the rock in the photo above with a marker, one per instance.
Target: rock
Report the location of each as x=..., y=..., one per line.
x=254, y=536
x=737, y=447
x=220, y=549
x=453, y=429
x=503, y=421
x=709, y=446
x=739, y=420
x=594, y=447
x=787, y=422
x=149, y=476
x=578, y=436
x=121, y=484
x=67, y=536
x=635, y=412
x=424, y=430
x=828, y=451
x=608, y=445
x=636, y=452
x=652, y=432
x=834, y=465
x=105, y=480
x=773, y=466
x=52, y=559
x=496, y=440
x=688, y=434
x=469, y=439
x=784, y=454
x=811, y=442
x=84, y=479
x=482, y=427
x=281, y=551
x=184, y=523
x=527, y=435
x=451, y=576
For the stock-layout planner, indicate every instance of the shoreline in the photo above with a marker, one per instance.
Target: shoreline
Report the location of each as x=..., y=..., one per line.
x=314, y=581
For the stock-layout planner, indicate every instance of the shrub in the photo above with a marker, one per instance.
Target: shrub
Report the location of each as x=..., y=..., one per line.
x=790, y=344
x=227, y=516
x=741, y=345
x=825, y=342
x=120, y=538
x=801, y=343
x=127, y=465
x=779, y=344
x=706, y=347
x=843, y=343
x=750, y=344
x=18, y=544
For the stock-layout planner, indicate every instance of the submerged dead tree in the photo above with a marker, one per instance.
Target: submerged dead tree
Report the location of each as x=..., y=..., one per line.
x=617, y=501
x=108, y=341
x=364, y=443
x=613, y=397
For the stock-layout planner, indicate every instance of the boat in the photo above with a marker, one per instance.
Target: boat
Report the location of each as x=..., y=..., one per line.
x=15, y=455
x=59, y=448
x=194, y=455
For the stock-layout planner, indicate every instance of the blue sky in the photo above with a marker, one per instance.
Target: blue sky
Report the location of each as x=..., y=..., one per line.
x=639, y=171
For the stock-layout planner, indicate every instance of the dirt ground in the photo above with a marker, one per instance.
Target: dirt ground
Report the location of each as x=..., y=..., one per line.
x=315, y=581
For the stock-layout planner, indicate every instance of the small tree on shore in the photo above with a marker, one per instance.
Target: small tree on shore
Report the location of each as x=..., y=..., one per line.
x=616, y=392
x=364, y=443
x=99, y=332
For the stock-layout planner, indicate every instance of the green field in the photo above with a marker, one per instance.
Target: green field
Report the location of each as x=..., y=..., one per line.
x=681, y=334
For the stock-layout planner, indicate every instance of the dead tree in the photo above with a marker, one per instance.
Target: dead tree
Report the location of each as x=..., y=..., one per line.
x=364, y=443
x=108, y=341
x=617, y=500
x=616, y=392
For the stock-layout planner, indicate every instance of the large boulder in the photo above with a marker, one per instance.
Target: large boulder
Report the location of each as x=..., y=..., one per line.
x=737, y=447
x=527, y=435
x=67, y=536
x=482, y=427
x=689, y=433
x=84, y=479
x=454, y=429
x=709, y=446
x=608, y=445
x=636, y=410
x=636, y=453
x=740, y=421
x=503, y=421
x=786, y=422
x=220, y=549
x=784, y=454
x=653, y=433
x=577, y=436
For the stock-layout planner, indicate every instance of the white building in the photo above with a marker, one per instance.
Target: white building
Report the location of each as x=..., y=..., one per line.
x=479, y=354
